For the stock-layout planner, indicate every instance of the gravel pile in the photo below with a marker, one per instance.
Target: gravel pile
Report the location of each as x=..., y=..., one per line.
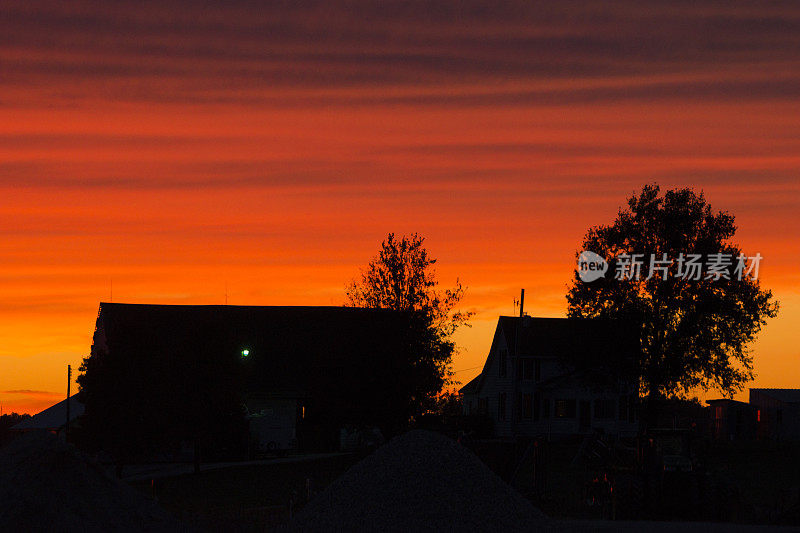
x=420, y=481
x=45, y=485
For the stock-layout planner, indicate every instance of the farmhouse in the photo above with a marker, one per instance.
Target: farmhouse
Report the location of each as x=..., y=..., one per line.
x=529, y=389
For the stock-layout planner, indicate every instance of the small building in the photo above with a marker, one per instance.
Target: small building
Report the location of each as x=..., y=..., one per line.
x=53, y=419
x=732, y=420
x=777, y=412
x=529, y=388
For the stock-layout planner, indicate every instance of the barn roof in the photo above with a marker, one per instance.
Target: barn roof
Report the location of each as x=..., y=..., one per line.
x=472, y=386
x=287, y=346
x=53, y=417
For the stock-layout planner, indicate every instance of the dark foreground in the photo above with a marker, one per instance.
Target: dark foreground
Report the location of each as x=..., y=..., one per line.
x=420, y=481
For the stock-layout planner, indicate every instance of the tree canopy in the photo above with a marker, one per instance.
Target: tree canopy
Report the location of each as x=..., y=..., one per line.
x=696, y=326
x=401, y=277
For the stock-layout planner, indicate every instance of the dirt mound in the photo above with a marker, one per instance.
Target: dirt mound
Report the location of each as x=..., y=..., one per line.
x=45, y=485
x=420, y=481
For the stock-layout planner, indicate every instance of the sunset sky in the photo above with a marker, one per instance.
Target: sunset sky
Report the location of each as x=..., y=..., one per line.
x=174, y=149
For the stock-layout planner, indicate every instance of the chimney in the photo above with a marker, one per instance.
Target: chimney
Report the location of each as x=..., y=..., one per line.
x=522, y=303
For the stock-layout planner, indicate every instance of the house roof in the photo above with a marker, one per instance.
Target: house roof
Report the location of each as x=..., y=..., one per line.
x=556, y=337
x=472, y=386
x=559, y=337
x=782, y=395
x=53, y=417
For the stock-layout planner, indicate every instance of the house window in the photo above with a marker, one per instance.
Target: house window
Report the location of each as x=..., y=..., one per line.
x=627, y=408
x=538, y=370
x=758, y=415
x=527, y=406
x=483, y=406
x=545, y=408
x=501, y=407
x=537, y=406
x=604, y=408
x=502, y=360
x=779, y=416
x=525, y=368
x=564, y=409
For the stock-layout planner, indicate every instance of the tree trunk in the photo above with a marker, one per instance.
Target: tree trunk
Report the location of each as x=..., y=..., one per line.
x=651, y=408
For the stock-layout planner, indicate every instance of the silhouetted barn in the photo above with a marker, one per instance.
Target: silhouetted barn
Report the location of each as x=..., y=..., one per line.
x=778, y=413
x=298, y=372
x=528, y=388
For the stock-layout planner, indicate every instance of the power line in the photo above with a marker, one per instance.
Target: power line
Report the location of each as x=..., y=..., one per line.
x=465, y=369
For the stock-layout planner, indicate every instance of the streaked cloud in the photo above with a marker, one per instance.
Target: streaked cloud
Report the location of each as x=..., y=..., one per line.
x=173, y=149
x=30, y=392
x=352, y=52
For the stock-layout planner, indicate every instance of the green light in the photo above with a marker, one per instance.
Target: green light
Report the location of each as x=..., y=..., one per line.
x=245, y=353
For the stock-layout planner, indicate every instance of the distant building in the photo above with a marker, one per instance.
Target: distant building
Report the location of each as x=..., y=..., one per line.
x=777, y=413
x=52, y=419
x=732, y=420
x=528, y=388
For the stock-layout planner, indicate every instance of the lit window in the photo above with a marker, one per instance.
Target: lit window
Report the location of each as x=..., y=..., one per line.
x=564, y=408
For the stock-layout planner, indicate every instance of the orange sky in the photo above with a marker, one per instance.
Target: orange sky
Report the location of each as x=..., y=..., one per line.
x=173, y=151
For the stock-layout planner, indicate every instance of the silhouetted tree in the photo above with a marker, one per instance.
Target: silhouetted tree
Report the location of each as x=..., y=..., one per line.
x=693, y=332
x=449, y=403
x=401, y=278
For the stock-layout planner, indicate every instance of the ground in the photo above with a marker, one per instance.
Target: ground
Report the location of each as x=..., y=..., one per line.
x=245, y=498
x=743, y=484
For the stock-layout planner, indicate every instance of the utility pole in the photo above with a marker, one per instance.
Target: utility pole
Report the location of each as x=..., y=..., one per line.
x=69, y=381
